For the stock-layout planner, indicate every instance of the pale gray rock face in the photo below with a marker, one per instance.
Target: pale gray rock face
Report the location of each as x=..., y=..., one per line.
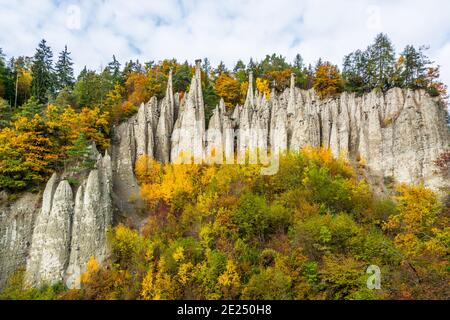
x=163, y=136
x=245, y=135
x=55, y=251
x=279, y=132
x=215, y=139
x=189, y=134
x=17, y=220
x=33, y=263
x=398, y=134
x=152, y=116
x=51, y=238
x=291, y=107
x=68, y=231
x=92, y=218
x=165, y=124
x=126, y=191
x=228, y=136
x=144, y=132
x=149, y=132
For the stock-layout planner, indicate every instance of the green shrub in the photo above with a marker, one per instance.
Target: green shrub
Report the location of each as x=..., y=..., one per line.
x=270, y=284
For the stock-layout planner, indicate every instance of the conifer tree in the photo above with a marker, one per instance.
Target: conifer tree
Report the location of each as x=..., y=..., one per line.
x=6, y=79
x=114, y=70
x=414, y=66
x=80, y=152
x=64, y=71
x=354, y=72
x=380, y=63
x=43, y=84
x=206, y=66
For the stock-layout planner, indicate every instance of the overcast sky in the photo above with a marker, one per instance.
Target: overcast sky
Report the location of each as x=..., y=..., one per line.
x=221, y=30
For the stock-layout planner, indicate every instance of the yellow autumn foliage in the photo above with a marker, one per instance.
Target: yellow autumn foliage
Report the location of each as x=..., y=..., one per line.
x=263, y=86
x=163, y=182
x=92, y=267
x=228, y=88
x=159, y=285
x=327, y=80
x=178, y=255
x=308, y=232
x=185, y=273
x=418, y=223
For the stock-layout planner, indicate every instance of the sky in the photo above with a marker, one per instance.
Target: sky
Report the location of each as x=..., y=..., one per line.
x=226, y=31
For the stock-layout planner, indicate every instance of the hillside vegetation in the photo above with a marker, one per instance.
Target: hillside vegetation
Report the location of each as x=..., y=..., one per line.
x=308, y=232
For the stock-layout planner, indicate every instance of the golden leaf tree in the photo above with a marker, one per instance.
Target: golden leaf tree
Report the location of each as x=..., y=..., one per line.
x=327, y=80
x=228, y=88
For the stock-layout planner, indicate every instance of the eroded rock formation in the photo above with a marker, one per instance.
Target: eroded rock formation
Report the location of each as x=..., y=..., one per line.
x=17, y=219
x=70, y=229
x=397, y=134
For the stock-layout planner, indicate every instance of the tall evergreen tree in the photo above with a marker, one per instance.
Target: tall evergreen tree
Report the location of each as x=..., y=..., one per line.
x=240, y=71
x=182, y=77
x=206, y=66
x=355, y=73
x=132, y=66
x=64, y=71
x=3, y=74
x=257, y=67
x=413, y=67
x=299, y=69
x=81, y=153
x=88, y=90
x=310, y=77
x=114, y=70
x=29, y=109
x=5, y=113
x=240, y=65
x=6, y=82
x=272, y=62
x=221, y=68
x=298, y=62
x=43, y=83
x=250, y=65
x=381, y=62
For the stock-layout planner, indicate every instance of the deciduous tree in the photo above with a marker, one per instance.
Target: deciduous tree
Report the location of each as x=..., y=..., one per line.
x=327, y=80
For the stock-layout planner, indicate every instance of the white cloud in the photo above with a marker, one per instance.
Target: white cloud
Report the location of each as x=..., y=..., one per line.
x=221, y=30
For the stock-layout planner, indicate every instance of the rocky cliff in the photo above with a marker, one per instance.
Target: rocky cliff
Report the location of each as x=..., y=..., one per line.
x=396, y=135
x=16, y=230
x=71, y=227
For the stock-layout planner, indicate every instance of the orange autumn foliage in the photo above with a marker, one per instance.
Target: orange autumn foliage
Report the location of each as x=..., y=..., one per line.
x=33, y=148
x=327, y=80
x=137, y=88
